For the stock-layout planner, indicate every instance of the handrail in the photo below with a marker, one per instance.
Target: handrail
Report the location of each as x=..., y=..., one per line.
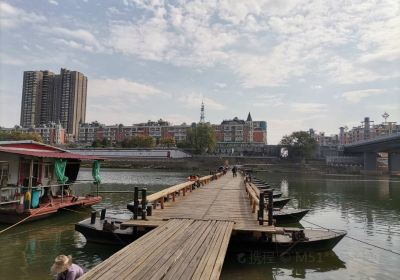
x=159, y=196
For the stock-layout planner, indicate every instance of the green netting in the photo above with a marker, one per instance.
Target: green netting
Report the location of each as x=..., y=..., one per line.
x=60, y=166
x=96, y=172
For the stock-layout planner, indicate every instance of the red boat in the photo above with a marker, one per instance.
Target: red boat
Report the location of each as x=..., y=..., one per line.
x=36, y=180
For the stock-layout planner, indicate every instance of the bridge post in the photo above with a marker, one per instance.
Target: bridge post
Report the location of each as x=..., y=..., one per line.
x=370, y=162
x=394, y=162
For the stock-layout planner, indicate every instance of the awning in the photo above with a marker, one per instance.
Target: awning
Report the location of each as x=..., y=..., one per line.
x=47, y=154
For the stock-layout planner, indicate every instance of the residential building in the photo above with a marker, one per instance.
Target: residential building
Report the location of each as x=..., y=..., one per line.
x=47, y=97
x=72, y=94
x=88, y=132
x=51, y=133
x=241, y=136
x=31, y=98
x=367, y=130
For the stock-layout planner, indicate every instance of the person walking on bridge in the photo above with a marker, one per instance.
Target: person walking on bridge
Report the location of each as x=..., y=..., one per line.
x=234, y=171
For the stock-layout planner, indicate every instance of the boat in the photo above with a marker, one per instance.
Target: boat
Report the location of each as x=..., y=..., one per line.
x=288, y=215
x=279, y=202
x=36, y=180
x=286, y=241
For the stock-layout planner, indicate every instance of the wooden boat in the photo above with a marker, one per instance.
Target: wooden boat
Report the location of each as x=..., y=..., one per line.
x=286, y=241
x=286, y=215
x=280, y=202
x=36, y=181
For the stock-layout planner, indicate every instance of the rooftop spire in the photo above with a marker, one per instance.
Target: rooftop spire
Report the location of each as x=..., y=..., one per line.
x=249, y=119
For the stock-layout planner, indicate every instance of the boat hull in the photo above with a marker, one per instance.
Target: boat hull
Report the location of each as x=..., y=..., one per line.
x=289, y=215
x=11, y=215
x=240, y=241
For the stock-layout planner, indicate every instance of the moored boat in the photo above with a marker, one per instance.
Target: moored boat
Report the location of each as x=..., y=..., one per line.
x=36, y=180
x=287, y=215
x=285, y=241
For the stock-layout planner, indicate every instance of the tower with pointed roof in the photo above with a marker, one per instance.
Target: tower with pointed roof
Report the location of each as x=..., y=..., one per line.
x=251, y=127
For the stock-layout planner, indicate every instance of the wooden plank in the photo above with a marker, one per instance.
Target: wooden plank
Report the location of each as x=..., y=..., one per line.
x=174, y=254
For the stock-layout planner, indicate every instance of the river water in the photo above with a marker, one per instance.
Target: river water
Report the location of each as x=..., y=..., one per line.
x=368, y=208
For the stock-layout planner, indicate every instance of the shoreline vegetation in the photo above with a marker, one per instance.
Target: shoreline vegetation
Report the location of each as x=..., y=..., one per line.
x=208, y=163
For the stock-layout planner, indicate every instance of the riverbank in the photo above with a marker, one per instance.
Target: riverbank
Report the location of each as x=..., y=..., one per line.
x=210, y=163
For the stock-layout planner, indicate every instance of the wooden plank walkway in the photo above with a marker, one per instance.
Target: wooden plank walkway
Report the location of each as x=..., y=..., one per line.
x=222, y=199
x=179, y=249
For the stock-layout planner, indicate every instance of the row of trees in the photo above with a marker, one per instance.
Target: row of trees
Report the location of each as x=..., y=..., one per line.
x=137, y=141
x=18, y=135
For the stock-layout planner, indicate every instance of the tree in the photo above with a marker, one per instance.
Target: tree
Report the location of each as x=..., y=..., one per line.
x=300, y=144
x=167, y=142
x=201, y=139
x=19, y=135
x=101, y=143
x=138, y=141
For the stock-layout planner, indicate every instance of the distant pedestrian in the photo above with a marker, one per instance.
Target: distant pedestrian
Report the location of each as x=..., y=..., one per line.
x=234, y=171
x=65, y=269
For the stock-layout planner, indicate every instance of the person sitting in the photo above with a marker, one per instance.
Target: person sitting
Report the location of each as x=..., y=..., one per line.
x=65, y=269
x=109, y=227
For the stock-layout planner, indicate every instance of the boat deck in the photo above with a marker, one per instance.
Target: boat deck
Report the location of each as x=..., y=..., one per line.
x=179, y=249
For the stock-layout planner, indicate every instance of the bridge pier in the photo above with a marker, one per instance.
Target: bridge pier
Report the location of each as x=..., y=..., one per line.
x=394, y=163
x=370, y=162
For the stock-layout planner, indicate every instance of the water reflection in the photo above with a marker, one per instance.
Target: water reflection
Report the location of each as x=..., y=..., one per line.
x=262, y=265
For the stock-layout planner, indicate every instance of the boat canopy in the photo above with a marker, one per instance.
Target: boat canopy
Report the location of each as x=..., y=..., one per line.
x=46, y=153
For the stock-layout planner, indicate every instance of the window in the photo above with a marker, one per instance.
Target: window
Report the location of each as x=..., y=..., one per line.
x=48, y=171
x=3, y=173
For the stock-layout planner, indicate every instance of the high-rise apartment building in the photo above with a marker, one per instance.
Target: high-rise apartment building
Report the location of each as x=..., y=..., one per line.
x=31, y=98
x=47, y=97
x=72, y=94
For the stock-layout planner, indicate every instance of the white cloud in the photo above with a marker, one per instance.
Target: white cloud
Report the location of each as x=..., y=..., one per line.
x=122, y=88
x=266, y=43
x=309, y=108
x=53, y=2
x=357, y=95
x=194, y=100
x=75, y=38
x=11, y=17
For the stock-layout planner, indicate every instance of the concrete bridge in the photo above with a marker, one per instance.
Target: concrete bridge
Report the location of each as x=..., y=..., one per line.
x=370, y=148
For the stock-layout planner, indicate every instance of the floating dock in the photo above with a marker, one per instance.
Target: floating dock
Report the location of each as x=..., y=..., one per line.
x=193, y=227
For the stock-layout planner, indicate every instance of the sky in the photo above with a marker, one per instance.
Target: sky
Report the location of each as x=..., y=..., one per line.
x=296, y=64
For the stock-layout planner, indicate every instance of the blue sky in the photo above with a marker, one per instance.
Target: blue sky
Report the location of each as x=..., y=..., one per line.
x=295, y=64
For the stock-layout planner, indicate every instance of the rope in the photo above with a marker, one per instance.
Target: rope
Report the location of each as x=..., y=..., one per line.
x=356, y=239
x=23, y=220
x=80, y=212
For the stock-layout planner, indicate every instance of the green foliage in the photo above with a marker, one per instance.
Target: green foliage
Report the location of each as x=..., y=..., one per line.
x=201, y=139
x=300, y=144
x=167, y=142
x=138, y=141
x=18, y=135
x=101, y=143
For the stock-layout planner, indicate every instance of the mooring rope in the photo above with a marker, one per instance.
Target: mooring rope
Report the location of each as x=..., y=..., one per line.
x=23, y=220
x=356, y=239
